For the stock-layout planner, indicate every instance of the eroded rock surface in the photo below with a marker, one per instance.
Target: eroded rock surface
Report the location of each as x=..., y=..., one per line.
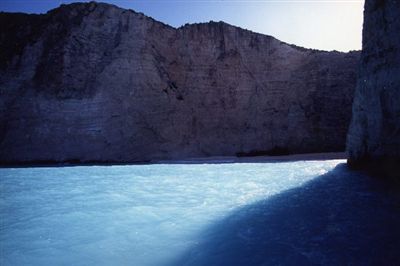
x=374, y=134
x=94, y=82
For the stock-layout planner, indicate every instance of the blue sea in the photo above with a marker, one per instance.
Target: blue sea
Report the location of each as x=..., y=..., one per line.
x=277, y=213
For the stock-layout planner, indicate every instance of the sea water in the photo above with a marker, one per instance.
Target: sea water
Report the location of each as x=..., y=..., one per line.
x=135, y=214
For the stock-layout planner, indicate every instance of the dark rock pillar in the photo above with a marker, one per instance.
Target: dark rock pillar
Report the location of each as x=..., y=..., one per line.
x=373, y=140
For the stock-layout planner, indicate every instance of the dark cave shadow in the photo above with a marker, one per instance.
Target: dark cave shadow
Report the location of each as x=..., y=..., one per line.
x=339, y=218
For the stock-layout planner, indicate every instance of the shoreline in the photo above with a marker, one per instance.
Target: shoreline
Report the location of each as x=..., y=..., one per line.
x=261, y=159
x=195, y=160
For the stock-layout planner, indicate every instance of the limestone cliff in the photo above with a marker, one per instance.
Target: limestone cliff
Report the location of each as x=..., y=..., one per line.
x=374, y=134
x=94, y=82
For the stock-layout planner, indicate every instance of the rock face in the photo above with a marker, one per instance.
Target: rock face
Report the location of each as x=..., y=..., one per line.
x=94, y=82
x=374, y=134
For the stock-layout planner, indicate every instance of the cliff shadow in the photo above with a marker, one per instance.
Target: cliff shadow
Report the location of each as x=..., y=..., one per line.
x=339, y=218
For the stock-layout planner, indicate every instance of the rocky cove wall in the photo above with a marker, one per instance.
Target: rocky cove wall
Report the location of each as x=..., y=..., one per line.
x=374, y=136
x=97, y=83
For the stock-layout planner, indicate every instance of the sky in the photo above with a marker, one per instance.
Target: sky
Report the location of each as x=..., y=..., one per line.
x=318, y=24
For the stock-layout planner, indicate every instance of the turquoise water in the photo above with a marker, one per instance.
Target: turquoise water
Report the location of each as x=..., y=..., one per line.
x=181, y=214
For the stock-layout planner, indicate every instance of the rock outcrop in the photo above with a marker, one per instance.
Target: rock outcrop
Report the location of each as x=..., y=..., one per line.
x=94, y=82
x=374, y=135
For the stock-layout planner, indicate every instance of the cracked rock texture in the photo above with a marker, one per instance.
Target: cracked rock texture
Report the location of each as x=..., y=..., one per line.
x=94, y=82
x=374, y=134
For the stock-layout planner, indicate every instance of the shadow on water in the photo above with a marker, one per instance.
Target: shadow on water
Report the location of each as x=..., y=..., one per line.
x=340, y=218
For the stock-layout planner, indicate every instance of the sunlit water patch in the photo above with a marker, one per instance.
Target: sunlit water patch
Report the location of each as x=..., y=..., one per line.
x=129, y=215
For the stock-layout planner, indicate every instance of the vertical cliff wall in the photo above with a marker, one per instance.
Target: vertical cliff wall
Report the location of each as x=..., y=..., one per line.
x=374, y=134
x=94, y=82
